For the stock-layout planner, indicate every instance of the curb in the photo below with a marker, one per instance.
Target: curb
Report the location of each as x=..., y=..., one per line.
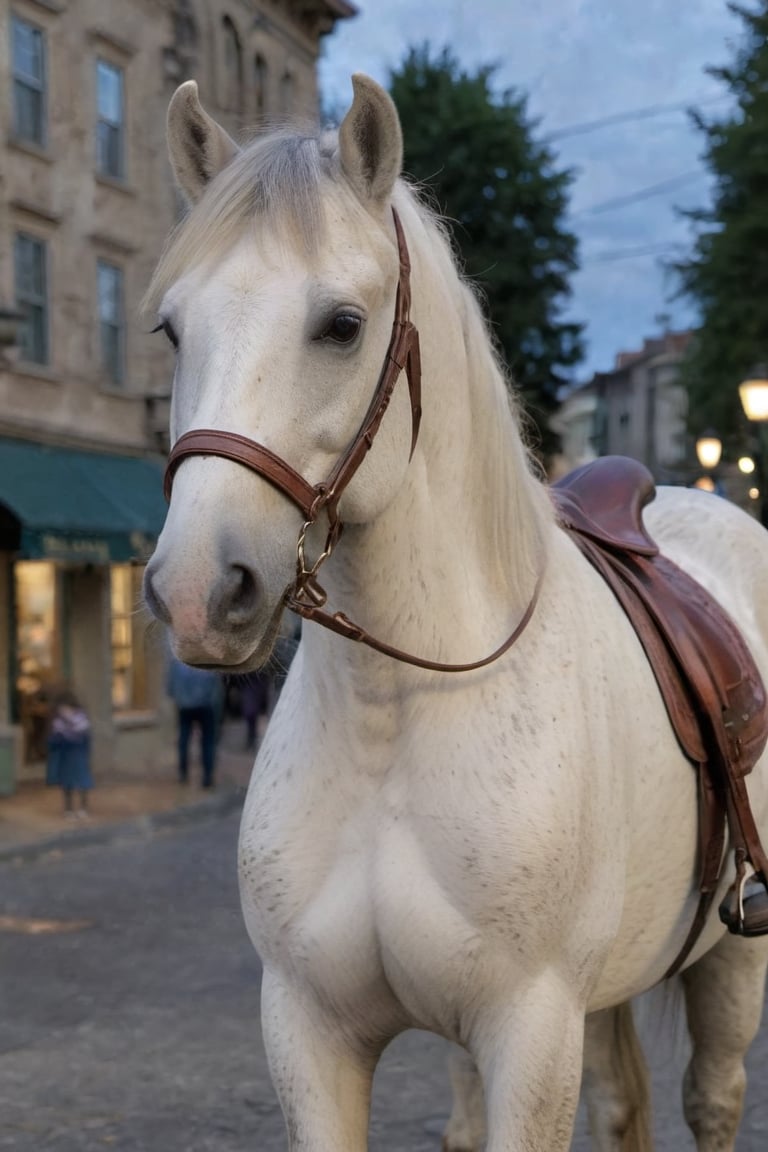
x=207, y=809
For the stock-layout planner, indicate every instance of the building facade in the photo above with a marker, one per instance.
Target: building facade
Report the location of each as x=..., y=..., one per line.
x=637, y=409
x=86, y=201
x=640, y=409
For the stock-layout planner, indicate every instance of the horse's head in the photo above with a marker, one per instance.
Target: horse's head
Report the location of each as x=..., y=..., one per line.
x=278, y=293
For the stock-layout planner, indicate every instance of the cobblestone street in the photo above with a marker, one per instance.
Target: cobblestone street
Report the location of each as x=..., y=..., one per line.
x=129, y=1011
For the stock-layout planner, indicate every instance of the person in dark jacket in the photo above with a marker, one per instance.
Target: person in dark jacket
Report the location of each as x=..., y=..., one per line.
x=69, y=751
x=198, y=696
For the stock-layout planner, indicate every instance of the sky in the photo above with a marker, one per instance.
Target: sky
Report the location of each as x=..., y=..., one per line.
x=580, y=61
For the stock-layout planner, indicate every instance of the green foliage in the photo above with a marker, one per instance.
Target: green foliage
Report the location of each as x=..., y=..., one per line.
x=506, y=201
x=727, y=273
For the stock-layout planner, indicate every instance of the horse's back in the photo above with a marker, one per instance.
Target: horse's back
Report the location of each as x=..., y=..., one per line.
x=723, y=548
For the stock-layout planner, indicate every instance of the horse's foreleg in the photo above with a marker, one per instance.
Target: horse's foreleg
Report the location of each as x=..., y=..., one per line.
x=723, y=997
x=465, y=1130
x=530, y=1054
x=615, y=1083
x=322, y=1078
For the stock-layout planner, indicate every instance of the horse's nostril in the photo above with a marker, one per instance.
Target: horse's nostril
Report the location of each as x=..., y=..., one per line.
x=237, y=599
x=153, y=600
x=245, y=593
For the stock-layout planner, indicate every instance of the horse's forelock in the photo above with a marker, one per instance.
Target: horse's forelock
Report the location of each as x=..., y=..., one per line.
x=278, y=179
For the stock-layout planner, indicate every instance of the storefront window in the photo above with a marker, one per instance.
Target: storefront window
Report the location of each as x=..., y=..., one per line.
x=37, y=655
x=129, y=680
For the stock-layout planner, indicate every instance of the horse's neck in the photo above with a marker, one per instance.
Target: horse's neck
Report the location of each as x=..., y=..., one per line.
x=450, y=567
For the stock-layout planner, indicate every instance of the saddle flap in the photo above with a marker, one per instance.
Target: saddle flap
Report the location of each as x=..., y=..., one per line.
x=605, y=499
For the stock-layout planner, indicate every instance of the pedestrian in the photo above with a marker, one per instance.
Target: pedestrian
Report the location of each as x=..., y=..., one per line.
x=198, y=696
x=69, y=751
x=285, y=650
x=254, y=703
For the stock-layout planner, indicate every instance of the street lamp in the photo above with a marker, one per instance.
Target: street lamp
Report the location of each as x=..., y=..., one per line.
x=709, y=449
x=753, y=393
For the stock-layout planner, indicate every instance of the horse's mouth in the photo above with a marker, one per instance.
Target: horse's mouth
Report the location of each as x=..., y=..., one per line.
x=223, y=652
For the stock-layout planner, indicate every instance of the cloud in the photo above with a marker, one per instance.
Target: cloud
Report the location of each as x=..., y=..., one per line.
x=580, y=60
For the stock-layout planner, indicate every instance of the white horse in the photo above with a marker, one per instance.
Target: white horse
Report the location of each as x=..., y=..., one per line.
x=492, y=855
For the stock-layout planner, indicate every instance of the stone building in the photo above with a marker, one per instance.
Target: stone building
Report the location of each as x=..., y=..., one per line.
x=637, y=409
x=86, y=201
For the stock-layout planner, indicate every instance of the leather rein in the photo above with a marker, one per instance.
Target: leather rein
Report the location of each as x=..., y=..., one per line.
x=306, y=597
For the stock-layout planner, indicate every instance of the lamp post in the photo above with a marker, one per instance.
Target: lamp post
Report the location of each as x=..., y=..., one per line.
x=709, y=449
x=753, y=393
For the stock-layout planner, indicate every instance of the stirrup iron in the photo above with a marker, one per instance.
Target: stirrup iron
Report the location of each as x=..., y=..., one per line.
x=744, y=911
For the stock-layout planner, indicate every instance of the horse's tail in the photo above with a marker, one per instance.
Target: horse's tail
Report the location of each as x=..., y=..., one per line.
x=615, y=1082
x=632, y=1069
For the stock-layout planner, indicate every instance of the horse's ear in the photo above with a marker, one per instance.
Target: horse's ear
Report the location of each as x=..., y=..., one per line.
x=199, y=147
x=371, y=141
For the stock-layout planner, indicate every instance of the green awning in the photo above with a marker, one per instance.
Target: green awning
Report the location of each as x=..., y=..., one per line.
x=82, y=507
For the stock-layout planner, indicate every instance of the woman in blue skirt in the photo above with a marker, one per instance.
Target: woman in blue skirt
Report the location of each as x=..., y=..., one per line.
x=69, y=751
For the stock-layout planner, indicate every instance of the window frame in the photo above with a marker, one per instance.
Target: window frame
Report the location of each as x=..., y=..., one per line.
x=127, y=635
x=233, y=86
x=287, y=93
x=38, y=85
x=260, y=85
x=119, y=126
x=116, y=373
x=35, y=299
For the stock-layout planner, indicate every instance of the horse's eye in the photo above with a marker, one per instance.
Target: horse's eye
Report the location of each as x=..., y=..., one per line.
x=343, y=328
x=167, y=327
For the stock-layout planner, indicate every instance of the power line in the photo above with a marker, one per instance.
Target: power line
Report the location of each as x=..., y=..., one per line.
x=646, y=113
x=641, y=194
x=657, y=249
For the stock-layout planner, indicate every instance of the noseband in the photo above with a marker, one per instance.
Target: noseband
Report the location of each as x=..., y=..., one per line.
x=306, y=597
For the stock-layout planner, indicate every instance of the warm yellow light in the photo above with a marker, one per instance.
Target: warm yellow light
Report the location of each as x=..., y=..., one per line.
x=709, y=449
x=706, y=483
x=754, y=493
x=754, y=397
x=746, y=465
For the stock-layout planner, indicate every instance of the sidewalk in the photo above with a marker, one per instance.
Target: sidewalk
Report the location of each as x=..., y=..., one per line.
x=32, y=822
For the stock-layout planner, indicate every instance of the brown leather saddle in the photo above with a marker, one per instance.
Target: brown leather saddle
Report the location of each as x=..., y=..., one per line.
x=711, y=687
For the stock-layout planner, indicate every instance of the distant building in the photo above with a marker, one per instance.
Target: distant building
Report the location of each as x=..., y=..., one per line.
x=86, y=201
x=637, y=409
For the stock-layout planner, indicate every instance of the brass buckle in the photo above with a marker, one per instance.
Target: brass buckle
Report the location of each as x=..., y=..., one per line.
x=306, y=584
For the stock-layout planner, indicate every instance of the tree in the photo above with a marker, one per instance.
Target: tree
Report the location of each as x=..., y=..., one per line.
x=506, y=201
x=727, y=273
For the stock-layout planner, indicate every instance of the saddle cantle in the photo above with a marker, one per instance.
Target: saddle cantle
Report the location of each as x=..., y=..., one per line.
x=711, y=687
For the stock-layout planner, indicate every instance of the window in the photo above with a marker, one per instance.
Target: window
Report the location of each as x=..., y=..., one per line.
x=111, y=326
x=260, y=85
x=32, y=297
x=233, y=67
x=110, y=126
x=37, y=654
x=28, y=82
x=287, y=86
x=129, y=670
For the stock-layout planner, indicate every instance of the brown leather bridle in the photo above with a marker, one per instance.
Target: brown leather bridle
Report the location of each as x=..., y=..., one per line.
x=306, y=597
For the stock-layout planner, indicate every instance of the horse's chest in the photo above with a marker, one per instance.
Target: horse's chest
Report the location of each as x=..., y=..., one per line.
x=384, y=898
